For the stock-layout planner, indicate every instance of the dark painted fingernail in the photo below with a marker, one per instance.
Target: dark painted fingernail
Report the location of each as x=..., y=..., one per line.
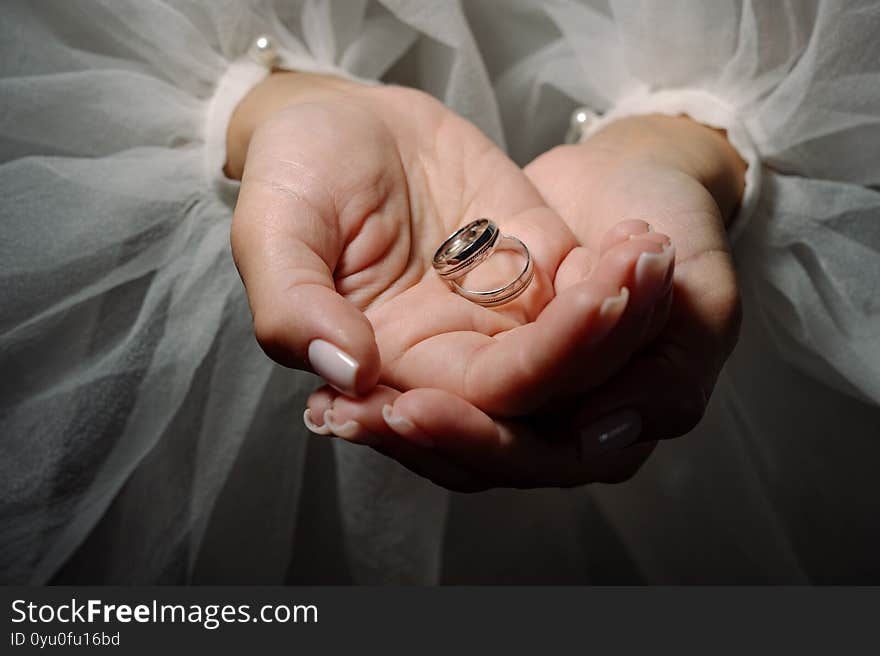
x=611, y=433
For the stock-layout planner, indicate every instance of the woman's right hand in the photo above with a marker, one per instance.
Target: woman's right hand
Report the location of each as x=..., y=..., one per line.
x=346, y=192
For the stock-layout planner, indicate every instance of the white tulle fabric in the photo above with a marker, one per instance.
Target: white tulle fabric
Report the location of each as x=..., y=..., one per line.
x=145, y=438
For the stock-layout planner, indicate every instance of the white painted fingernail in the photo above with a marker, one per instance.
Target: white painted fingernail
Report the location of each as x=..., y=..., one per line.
x=670, y=247
x=611, y=433
x=637, y=235
x=652, y=269
x=312, y=426
x=334, y=365
x=350, y=430
x=614, y=304
x=405, y=427
x=346, y=430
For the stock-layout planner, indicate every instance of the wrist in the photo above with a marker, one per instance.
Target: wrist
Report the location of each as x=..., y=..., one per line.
x=685, y=145
x=279, y=90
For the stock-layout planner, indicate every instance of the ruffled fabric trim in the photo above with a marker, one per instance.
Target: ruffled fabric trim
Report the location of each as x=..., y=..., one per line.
x=240, y=77
x=238, y=80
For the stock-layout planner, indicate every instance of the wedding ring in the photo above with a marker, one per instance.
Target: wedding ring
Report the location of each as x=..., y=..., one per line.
x=467, y=248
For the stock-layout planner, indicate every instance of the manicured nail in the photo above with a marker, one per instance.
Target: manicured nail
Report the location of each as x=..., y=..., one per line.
x=334, y=365
x=636, y=235
x=652, y=270
x=345, y=430
x=350, y=430
x=312, y=426
x=403, y=426
x=611, y=433
x=614, y=305
x=667, y=282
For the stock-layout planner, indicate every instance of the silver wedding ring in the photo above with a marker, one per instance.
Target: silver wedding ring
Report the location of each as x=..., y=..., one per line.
x=467, y=248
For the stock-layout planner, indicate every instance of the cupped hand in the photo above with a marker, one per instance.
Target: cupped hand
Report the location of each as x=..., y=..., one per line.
x=346, y=192
x=686, y=180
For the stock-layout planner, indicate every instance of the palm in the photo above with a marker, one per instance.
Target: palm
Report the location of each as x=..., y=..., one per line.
x=592, y=186
x=410, y=175
x=656, y=371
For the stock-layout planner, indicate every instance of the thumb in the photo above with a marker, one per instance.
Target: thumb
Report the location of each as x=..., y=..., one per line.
x=286, y=243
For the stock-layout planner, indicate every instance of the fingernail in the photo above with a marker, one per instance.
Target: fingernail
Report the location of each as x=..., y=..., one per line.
x=636, y=235
x=312, y=426
x=671, y=270
x=405, y=427
x=614, y=432
x=614, y=305
x=652, y=269
x=346, y=430
x=334, y=365
x=351, y=430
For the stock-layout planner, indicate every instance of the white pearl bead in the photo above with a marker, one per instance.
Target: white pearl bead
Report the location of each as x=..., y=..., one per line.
x=263, y=50
x=580, y=122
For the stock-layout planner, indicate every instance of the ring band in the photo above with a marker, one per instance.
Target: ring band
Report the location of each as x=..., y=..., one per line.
x=467, y=248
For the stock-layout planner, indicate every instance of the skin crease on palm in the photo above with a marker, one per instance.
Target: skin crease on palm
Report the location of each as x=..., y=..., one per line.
x=352, y=187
